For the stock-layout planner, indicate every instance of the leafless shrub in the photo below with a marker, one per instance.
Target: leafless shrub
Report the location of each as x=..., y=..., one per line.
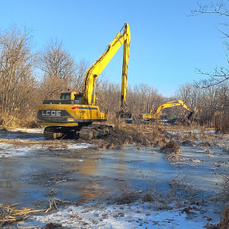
x=53, y=225
x=127, y=197
x=225, y=189
x=222, y=120
x=149, y=197
x=181, y=193
x=181, y=188
x=206, y=102
x=16, y=71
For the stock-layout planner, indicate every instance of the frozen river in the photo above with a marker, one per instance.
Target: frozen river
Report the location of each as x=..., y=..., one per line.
x=33, y=170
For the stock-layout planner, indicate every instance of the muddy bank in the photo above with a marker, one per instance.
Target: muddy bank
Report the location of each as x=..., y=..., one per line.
x=153, y=135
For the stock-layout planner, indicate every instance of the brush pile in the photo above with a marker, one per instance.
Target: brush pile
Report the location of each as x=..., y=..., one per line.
x=144, y=135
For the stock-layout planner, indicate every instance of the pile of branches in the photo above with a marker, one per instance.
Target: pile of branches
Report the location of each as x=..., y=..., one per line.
x=144, y=135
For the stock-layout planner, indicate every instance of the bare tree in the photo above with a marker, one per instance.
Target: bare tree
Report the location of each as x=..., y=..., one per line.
x=214, y=7
x=77, y=80
x=16, y=69
x=142, y=98
x=220, y=74
x=58, y=67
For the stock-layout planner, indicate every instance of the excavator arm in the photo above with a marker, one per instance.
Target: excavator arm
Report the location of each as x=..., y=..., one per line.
x=173, y=103
x=95, y=70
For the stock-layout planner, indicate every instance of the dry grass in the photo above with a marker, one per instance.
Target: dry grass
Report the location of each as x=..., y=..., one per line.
x=222, y=122
x=19, y=120
x=181, y=189
x=181, y=195
x=127, y=197
x=8, y=214
x=224, y=221
x=225, y=190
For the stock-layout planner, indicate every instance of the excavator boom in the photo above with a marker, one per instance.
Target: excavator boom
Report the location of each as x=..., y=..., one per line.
x=95, y=70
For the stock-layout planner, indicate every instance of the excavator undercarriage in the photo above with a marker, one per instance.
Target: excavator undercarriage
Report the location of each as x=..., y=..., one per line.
x=85, y=132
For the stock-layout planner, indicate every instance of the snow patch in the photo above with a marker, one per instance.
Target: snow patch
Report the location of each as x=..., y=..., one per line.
x=78, y=146
x=122, y=216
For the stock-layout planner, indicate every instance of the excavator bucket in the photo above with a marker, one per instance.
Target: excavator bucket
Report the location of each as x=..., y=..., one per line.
x=190, y=115
x=125, y=116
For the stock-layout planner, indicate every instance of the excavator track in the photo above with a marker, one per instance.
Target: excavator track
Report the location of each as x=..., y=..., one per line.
x=95, y=131
x=50, y=133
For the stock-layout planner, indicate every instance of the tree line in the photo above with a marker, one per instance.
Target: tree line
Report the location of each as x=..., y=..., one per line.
x=22, y=90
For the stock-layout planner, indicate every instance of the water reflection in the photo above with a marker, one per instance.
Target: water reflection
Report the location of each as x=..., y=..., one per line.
x=91, y=174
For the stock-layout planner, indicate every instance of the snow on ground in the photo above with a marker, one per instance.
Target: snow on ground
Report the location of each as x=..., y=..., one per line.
x=210, y=131
x=129, y=216
x=6, y=149
x=20, y=142
x=34, y=130
x=78, y=146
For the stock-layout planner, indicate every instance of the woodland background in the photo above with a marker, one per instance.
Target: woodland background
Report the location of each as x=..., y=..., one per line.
x=28, y=77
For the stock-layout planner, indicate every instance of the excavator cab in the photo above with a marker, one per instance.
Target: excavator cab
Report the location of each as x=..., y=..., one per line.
x=74, y=96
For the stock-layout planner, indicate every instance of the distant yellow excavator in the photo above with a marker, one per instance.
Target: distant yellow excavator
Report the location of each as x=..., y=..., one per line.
x=75, y=112
x=156, y=114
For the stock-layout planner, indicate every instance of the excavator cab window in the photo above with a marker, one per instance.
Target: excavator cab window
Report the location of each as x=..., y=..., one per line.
x=78, y=98
x=65, y=96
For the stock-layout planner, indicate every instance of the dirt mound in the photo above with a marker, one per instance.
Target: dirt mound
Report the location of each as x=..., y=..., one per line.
x=171, y=147
x=147, y=135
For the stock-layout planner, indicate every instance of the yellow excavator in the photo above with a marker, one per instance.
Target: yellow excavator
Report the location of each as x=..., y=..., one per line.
x=75, y=112
x=157, y=113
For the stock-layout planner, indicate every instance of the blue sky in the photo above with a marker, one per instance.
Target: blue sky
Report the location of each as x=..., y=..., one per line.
x=166, y=44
